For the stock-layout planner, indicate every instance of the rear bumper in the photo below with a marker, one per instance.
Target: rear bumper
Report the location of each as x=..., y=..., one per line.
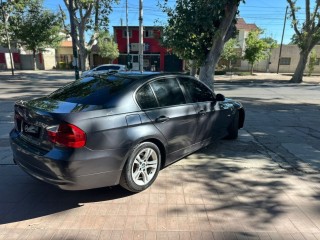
x=69, y=169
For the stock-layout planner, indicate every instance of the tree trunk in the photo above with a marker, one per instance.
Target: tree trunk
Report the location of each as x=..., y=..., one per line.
x=34, y=59
x=208, y=68
x=83, y=57
x=298, y=74
x=252, y=67
x=193, y=68
x=82, y=48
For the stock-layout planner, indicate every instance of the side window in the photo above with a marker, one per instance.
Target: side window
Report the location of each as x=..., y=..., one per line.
x=146, y=98
x=103, y=68
x=168, y=92
x=196, y=90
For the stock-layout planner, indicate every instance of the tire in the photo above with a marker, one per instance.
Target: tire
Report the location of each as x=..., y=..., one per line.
x=141, y=168
x=233, y=128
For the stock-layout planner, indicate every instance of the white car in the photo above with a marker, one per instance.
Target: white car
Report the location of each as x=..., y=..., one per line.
x=105, y=68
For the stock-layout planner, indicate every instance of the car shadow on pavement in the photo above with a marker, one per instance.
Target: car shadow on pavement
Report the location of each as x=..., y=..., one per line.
x=24, y=198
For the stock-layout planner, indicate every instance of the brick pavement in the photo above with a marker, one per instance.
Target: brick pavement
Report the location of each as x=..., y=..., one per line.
x=251, y=188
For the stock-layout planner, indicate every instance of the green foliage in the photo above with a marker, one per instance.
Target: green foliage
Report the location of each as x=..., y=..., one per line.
x=256, y=48
x=8, y=10
x=36, y=28
x=192, y=26
x=312, y=62
x=230, y=51
x=272, y=43
x=107, y=47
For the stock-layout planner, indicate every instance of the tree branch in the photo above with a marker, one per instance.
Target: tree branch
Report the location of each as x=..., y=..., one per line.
x=96, y=17
x=63, y=15
x=308, y=15
x=294, y=18
x=315, y=14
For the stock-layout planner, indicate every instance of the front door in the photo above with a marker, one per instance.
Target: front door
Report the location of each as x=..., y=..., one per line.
x=175, y=119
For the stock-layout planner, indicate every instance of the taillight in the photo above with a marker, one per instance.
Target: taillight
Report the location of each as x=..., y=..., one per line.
x=68, y=135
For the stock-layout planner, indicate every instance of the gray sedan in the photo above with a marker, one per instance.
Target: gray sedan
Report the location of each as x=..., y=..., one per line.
x=120, y=128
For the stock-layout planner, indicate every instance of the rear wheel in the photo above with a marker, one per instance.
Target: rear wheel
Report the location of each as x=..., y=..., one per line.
x=234, y=127
x=141, y=168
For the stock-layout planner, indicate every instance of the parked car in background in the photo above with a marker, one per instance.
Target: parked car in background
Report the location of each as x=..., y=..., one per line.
x=105, y=68
x=119, y=128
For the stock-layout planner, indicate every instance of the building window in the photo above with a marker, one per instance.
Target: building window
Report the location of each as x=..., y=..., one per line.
x=148, y=33
x=285, y=61
x=124, y=33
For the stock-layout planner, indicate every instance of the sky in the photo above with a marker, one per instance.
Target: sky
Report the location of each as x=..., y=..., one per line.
x=268, y=15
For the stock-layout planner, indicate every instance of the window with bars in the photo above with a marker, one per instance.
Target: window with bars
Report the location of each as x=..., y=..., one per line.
x=285, y=61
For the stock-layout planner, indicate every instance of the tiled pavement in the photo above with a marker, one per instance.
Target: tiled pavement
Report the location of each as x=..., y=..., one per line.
x=205, y=196
x=251, y=188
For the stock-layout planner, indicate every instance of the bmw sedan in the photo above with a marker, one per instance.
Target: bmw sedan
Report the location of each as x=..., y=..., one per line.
x=122, y=129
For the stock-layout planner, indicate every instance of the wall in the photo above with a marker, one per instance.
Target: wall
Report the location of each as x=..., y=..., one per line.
x=290, y=51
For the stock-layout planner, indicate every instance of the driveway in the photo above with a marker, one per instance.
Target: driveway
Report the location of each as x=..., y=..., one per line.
x=265, y=185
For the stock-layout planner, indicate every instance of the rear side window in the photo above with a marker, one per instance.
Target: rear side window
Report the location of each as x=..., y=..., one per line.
x=93, y=91
x=146, y=98
x=168, y=92
x=196, y=90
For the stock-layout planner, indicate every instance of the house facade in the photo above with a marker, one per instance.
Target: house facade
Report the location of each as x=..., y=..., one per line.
x=23, y=60
x=243, y=29
x=155, y=56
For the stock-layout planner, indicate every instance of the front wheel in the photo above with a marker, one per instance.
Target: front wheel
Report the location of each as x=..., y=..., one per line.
x=142, y=167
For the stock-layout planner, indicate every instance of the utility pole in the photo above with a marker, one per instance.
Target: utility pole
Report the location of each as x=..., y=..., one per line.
x=8, y=39
x=141, y=35
x=128, y=43
x=284, y=28
x=74, y=39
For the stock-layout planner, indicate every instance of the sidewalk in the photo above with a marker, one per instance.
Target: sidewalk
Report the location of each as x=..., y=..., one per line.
x=265, y=78
x=264, y=185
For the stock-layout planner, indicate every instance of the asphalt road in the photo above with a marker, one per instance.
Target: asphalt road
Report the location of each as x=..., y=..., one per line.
x=265, y=185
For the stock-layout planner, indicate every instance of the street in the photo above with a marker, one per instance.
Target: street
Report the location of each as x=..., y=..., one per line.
x=264, y=185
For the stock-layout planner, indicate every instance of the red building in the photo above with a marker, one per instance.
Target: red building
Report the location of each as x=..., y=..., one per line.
x=155, y=57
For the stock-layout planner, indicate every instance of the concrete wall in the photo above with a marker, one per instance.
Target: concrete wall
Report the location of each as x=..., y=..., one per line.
x=47, y=61
x=288, y=51
x=292, y=52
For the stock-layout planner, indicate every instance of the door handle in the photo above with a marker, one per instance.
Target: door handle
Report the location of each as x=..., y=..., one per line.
x=162, y=119
x=202, y=112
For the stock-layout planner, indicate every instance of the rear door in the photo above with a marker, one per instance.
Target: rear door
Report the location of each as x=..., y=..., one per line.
x=169, y=112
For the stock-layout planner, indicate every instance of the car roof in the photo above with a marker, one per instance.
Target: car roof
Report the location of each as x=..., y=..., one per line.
x=111, y=64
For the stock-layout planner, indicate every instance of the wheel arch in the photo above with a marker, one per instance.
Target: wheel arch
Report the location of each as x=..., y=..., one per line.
x=161, y=147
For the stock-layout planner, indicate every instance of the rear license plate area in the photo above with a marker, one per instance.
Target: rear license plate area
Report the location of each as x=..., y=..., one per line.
x=30, y=130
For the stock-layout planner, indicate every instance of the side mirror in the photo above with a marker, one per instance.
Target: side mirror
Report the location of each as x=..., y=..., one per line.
x=220, y=97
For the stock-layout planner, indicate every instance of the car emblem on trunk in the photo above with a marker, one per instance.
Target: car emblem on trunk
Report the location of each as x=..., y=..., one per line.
x=30, y=129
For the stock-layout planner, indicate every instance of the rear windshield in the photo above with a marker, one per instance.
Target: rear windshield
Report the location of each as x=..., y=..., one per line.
x=108, y=68
x=97, y=90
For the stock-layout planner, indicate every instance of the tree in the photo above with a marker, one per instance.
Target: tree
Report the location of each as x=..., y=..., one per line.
x=8, y=9
x=36, y=28
x=230, y=51
x=307, y=34
x=89, y=17
x=197, y=30
x=107, y=47
x=256, y=48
